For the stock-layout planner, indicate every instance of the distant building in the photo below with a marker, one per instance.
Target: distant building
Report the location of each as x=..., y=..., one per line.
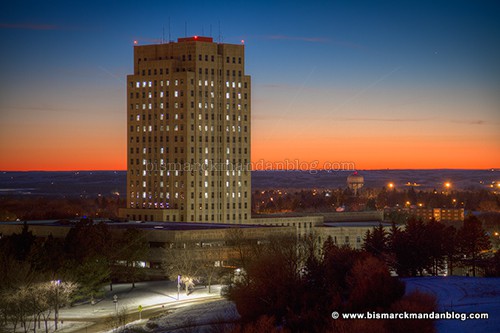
x=426, y=214
x=188, y=129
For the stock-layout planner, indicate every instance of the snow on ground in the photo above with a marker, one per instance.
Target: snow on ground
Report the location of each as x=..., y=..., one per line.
x=198, y=318
x=145, y=294
x=194, y=318
x=465, y=295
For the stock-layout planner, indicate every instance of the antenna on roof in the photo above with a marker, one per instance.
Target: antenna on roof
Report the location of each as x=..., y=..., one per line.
x=169, y=39
x=202, y=30
x=163, y=34
x=185, y=29
x=210, y=30
x=219, y=38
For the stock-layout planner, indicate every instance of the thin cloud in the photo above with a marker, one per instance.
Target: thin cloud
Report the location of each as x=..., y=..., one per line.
x=35, y=108
x=469, y=122
x=303, y=39
x=384, y=119
x=322, y=40
x=28, y=26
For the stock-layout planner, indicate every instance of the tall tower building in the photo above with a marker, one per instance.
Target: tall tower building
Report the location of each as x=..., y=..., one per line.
x=188, y=130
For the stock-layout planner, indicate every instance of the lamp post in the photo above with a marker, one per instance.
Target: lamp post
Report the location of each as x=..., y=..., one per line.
x=56, y=283
x=178, y=286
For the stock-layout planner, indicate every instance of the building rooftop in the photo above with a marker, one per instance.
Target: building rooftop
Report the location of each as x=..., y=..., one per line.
x=138, y=224
x=356, y=224
x=195, y=39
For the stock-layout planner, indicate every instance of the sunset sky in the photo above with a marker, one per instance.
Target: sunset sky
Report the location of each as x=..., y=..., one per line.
x=375, y=83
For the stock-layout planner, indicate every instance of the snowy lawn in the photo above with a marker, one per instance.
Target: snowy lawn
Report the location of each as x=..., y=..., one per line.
x=465, y=295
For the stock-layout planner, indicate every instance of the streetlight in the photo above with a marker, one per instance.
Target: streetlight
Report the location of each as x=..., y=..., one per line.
x=391, y=185
x=178, y=285
x=56, y=283
x=115, y=300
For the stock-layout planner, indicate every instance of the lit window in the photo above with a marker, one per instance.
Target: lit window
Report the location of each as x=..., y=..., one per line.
x=137, y=84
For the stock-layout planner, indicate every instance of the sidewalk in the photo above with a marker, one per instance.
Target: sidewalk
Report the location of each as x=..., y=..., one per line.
x=153, y=296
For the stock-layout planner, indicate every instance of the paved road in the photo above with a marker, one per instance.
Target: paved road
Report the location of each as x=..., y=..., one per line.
x=154, y=297
x=100, y=324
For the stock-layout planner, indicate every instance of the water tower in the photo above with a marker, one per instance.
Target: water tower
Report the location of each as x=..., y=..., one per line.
x=355, y=181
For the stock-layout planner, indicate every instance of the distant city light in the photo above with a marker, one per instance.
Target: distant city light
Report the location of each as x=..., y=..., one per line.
x=447, y=184
x=391, y=185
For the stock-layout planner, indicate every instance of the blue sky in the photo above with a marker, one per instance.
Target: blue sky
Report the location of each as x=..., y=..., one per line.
x=331, y=80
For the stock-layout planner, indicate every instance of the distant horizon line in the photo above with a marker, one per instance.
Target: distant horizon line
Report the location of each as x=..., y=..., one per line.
x=327, y=170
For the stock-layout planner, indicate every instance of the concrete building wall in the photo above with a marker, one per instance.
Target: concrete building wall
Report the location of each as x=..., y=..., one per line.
x=188, y=124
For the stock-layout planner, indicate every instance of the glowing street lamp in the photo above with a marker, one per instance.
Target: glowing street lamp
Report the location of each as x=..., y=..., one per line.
x=447, y=185
x=56, y=284
x=391, y=185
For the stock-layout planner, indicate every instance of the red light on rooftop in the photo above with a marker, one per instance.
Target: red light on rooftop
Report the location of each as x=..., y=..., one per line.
x=242, y=41
x=135, y=42
x=195, y=39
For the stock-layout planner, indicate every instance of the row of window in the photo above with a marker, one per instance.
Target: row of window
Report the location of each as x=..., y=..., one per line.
x=189, y=57
x=166, y=172
x=148, y=72
x=177, y=82
x=165, y=116
x=146, y=217
x=181, y=150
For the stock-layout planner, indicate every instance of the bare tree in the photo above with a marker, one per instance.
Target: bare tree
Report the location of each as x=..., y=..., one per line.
x=182, y=262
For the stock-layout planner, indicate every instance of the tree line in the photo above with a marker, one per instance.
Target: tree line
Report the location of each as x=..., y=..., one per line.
x=419, y=248
x=312, y=200
x=76, y=267
x=290, y=286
